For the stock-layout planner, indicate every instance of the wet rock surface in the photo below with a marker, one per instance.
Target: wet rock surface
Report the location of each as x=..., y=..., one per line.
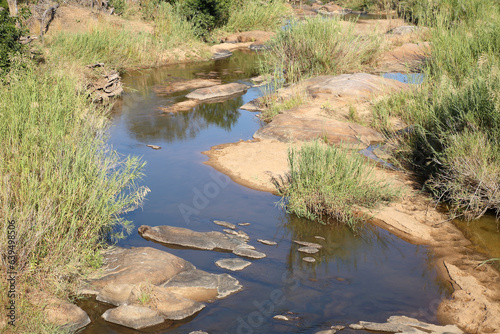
x=182, y=85
x=267, y=242
x=307, y=244
x=402, y=324
x=187, y=238
x=225, y=224
x=309, y=259
x=308, y=250
x=218, y=91
x=250, y=253
x=233, y=264
x=62, y=313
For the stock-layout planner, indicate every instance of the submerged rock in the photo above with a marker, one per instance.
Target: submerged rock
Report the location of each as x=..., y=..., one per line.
x=188, y=238
x=267, y=242
x=309, y=259
x=132, y=316
x=233, y=264
x=308, y=250
x=239, y=234
x=225, y=224
x=402, y=324
x=243, y=251
x=307, y=244
x=218, y=91
x=182, y=85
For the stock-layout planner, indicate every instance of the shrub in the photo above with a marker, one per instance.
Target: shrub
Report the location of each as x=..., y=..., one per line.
x=9, y=37
x=257, y=15
x=330, y=182
x=205, y=15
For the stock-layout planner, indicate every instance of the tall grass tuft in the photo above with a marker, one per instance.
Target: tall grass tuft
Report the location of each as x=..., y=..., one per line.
x=318, y=46
x=328, y=182
x=455, y=115
x=257, y=15
x=64, y=188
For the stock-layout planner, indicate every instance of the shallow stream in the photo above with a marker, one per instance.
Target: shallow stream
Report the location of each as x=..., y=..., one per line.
x=368, y=276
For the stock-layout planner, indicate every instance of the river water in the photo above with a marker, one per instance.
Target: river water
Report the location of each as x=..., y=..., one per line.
x=366, y=276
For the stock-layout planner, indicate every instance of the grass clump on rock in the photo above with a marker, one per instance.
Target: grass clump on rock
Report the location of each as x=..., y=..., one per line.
x=328, y=182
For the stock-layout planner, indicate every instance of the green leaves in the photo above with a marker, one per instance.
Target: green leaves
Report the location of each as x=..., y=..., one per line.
x=9, y=37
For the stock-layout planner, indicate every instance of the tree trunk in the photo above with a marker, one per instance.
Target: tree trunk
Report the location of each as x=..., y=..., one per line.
x=12, y=7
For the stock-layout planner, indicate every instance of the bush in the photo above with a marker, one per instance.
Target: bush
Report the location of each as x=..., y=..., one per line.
x=330, y=182
x=319, y=46
x=257, y=15
x=9, y=37
x=205, y=15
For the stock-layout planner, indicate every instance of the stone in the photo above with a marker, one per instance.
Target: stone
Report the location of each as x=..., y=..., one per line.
x=307, y=244
x=233, y=264
x=130, y=266
x=239, y=234
x=403, y=30
x=218, y=91
x=244, y=224
x=221, y=54
x=169, y=304
x=267, y=242
x=116, y=294
x=407, y=58
x=182, y=85
x=181, y=106
x=198, y=332
x=154, y=147
x=66, y=315
x=225, y=224
x=223, y=283
x=318, y=237
x=187, y=238
x=402, y=324
x=253, y=105
x=338, y=327
x=241, y=251
x=328, y=331
x=132, y=316
x=281, y=317
x=308, y=250
x=309, y=259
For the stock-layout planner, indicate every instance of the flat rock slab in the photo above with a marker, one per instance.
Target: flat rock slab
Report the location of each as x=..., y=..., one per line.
x=239, y=234
x=245, y=252
x=223, y=283
x=132, y=316
x=308, y=250
x=307, y=244
x=309, y=259
x=179, y=86
x=402, y=324
x=178, y=107
x=233, y=264
x=218, y=91
x=267, y=242
x=287, y=128
x=225, y=224
x=141, y=264
x=253, y=105
x=360, y=87
x=188, y=238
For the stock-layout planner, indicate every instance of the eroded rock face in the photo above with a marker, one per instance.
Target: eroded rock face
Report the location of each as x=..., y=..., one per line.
x=402, y=324
x=218, y=91
x=132, y=316
x=187, y=238
x=130, y=266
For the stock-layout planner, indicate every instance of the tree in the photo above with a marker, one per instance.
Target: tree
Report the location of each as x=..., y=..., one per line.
x=12, y=7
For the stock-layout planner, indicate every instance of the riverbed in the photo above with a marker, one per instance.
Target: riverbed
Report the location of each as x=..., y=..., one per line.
x=366, y=275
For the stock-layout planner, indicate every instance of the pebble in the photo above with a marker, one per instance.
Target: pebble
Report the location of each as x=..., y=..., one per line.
x=309, y=259
x=281, y=317
x=308, y=244
x=225, y=224
x=308, y=250
x=267, y=242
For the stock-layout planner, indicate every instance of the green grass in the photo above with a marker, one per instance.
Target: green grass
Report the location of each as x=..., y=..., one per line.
x=257, y=15
x=328, y=182
x=63, y=186
x=319, y=46
x=455, y=114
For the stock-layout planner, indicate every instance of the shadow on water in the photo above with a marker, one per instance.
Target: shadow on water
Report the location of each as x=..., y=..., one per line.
x=366, y=276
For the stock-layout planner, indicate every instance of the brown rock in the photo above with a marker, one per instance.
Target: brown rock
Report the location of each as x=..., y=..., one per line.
x=133, y=316
x=181, y=106
x=250, y=36
x=130, y=266
x=180, y=86
x=66, y=315
x=218, y=91
x=116, y=294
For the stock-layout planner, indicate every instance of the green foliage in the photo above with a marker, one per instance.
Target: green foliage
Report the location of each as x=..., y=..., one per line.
x=4, y=4
x=61, y=184
x=319, y=46
x=9, y=37
x=119, y=5
x=455, y=115
x=205, y=15
x=257, y=15
x=329, y=182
